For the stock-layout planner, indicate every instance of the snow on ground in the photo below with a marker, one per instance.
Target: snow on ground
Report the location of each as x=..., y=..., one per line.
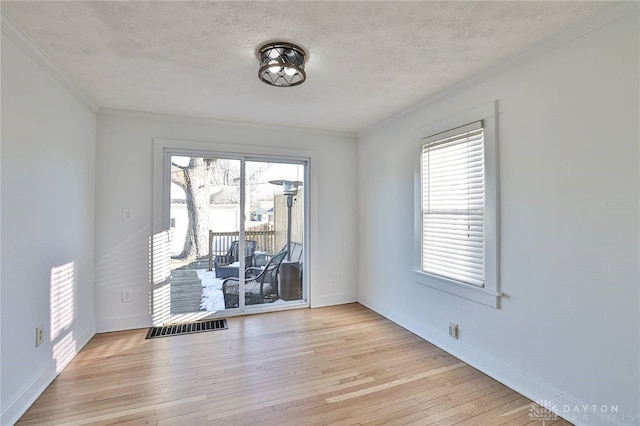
x=212, y=298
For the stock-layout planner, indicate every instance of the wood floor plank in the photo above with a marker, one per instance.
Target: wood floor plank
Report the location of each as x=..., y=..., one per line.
x=342, y=365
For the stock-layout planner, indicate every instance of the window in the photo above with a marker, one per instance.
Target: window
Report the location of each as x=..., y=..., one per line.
x=456, y=207
x=452, y=170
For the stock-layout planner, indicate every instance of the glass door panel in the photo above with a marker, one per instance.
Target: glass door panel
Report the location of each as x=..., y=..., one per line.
x=274, y=203
x=205, y=227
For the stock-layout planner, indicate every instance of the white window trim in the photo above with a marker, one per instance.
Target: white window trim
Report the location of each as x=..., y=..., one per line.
x=490, y=294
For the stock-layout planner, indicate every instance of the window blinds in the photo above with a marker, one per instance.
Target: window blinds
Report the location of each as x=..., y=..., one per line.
x=453, y=204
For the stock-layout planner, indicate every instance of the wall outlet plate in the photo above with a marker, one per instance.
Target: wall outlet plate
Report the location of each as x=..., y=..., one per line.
x=453, y=330
x=39, y=335
x=127, y=296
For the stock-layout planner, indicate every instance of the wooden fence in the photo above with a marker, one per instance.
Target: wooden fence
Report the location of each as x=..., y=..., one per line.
x=219, y=242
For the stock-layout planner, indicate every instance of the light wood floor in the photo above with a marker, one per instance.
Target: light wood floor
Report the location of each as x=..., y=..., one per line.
x=342, y=365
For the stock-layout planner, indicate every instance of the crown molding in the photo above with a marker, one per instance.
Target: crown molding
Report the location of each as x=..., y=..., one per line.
x=12, y=30
x=164, y=117
x=611, y=14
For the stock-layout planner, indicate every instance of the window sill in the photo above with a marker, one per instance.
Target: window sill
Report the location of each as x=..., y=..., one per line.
x=480, y=295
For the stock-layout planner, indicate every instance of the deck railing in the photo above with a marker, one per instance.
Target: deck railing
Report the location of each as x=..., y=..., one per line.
x=219, y=242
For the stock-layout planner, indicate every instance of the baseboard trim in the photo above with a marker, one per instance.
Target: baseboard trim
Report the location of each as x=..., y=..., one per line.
x=25, y=398
x=569, y=408
x=106, y=325
x=333, y=299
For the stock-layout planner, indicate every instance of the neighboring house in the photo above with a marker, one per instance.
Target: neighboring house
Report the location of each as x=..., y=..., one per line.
x=224, y=215
x=224, y=218
x=264, y=211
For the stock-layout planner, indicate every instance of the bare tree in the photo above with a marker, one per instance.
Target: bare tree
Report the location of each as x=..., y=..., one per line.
x=221, y=174
x=195, y=179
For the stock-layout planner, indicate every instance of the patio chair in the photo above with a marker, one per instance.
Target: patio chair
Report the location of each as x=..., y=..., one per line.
x=261, y=259
x=232, y=257
x=260, y=288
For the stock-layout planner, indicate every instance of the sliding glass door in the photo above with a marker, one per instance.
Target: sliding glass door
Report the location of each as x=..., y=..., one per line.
x=236, y=232
x=274, y=200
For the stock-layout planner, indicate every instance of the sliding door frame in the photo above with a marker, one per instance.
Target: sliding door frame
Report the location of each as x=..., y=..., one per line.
x=159, y=273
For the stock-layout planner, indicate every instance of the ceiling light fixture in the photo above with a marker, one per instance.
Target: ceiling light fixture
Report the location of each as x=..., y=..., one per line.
x=282, y=64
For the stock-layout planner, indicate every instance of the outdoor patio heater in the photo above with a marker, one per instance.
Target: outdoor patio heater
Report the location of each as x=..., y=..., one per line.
x=289, y=189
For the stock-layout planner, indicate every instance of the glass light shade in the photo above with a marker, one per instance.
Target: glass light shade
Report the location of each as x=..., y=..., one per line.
x=274, y=67
x=290, y=59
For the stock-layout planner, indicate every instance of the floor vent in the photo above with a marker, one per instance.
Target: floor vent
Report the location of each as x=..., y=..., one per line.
x=187, y=328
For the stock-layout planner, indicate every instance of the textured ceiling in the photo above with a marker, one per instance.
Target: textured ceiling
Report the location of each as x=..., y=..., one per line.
x=367, y=60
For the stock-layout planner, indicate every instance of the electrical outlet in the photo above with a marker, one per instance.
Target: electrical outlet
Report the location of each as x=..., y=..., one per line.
x=127, y=296
x=336, y=277
x=453, y=330
x=39, y=335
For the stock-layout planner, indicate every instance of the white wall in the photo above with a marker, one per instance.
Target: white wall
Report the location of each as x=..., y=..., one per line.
x=48, y=152
x=568, y=328
x=124, y=180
